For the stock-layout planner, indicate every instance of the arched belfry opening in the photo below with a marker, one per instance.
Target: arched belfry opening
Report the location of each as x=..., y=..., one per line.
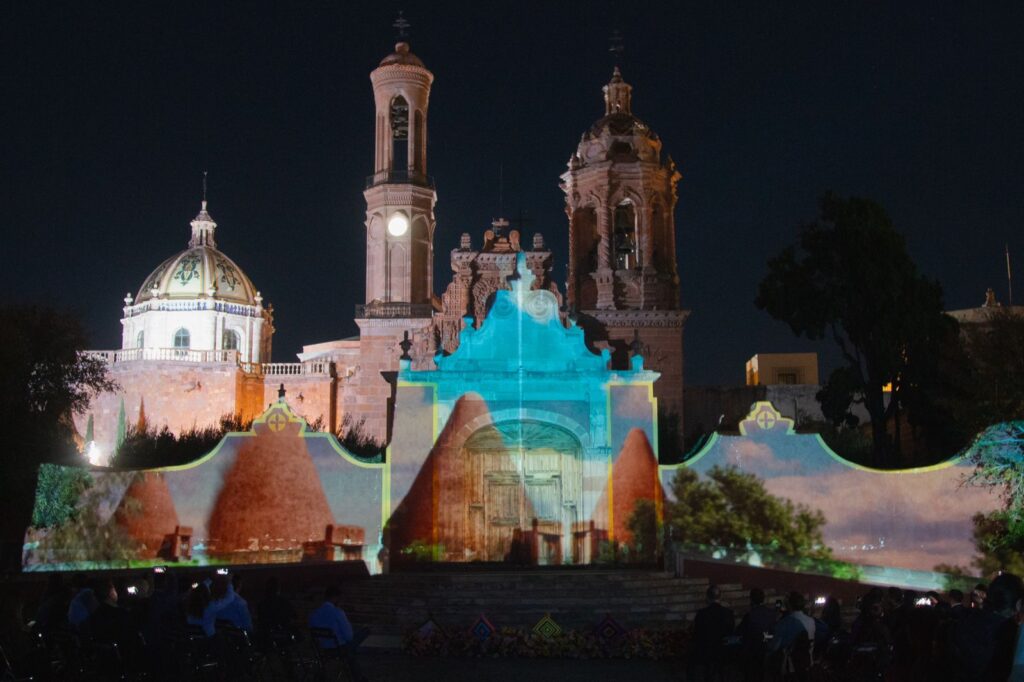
x=624, y=236
x=398, y=116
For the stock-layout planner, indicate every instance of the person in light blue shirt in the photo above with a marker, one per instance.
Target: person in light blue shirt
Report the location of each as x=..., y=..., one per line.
x=227, y=605
x=82, y=604
x=329, y=616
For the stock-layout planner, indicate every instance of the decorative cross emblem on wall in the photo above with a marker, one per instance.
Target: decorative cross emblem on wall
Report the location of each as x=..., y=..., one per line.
x=766, y=419
x=277, y=422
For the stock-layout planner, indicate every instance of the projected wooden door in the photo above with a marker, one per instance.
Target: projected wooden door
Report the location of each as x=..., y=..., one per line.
x=524, y=481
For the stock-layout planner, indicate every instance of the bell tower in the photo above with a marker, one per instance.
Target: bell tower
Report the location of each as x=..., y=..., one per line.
x=623, y=280
x=400, y=198
x=400, y=195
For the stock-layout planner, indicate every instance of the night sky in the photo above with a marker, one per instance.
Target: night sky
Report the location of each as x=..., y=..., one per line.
x=112, y=110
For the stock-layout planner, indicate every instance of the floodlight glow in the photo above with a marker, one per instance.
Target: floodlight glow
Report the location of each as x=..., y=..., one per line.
x=94, y=454
x=398, y=225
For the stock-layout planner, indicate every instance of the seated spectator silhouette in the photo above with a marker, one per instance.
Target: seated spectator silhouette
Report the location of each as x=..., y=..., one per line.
x=711, y=626
x=275, y=616
x=199, y=611
x=83, y=603
x=227, y=605
x=330, y=616
x=53, y=607
x=753, y=628
x=109, y=622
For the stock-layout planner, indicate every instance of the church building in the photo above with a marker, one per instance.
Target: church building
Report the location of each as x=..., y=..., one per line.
x=196, y=338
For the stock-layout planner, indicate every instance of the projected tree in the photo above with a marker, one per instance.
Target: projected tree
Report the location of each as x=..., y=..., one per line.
x=732, y=511
x=999, y=536
x=850, y=279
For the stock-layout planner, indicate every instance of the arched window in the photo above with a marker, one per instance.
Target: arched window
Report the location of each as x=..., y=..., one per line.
x=231, y=340
x=182, y=339
x=624, y=235
x=140, y=339
x=399, y=136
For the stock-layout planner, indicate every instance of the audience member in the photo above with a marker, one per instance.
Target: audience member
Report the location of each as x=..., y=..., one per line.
x=711, y=626
x=330, y=616
x=274, y=613
x=753, y=628
x=228, y=605
x=1004, y=595
x=199, y=610
x=973, y=637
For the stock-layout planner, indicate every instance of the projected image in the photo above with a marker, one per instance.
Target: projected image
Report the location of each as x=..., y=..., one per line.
x=520, y=446
x=773, y=497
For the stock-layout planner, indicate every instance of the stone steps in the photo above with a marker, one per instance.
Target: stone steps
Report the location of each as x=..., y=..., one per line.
x=397, y=603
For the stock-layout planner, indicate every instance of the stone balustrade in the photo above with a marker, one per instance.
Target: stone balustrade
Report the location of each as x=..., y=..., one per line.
x=311, y=368
x=114, y=357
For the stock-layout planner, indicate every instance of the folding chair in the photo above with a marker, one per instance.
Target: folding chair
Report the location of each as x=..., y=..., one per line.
x=324, y=654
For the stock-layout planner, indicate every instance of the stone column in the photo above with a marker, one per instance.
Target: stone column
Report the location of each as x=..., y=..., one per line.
x=604, y=277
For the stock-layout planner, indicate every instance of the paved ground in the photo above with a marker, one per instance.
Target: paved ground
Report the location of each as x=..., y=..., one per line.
x=388, y=667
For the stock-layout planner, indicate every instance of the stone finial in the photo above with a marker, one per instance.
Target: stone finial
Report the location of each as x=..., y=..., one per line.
x=405, y=344
x=538, y=241
x=990, y=299
x=618, y=95
x=128, y=298
x=465, y=242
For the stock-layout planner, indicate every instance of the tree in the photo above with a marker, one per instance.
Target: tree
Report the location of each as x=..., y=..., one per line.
x=44, y=381
x=150, y=448
x=849, y=278
x=731, y=510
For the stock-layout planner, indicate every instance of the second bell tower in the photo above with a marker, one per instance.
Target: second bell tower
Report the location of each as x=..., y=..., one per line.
x=400, y=195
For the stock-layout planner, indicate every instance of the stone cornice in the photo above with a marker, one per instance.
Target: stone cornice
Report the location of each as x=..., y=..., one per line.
x=639, y=318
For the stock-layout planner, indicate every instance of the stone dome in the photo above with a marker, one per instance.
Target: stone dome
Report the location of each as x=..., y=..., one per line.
x=200, y=271
x=618, y=135
x=402, y=55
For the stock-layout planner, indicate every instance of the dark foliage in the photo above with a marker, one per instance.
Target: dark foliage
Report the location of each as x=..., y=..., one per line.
x=148, y=447
x=353, y=437
x=850, y=279
x=45, y=380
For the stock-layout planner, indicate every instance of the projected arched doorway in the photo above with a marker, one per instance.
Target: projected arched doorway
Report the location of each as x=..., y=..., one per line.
x=524, y=488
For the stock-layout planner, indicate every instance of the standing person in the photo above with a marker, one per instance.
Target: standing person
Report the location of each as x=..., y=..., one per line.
x=793, y=635
x=753, y=628
x=711, y=626
x=957, y=610
x=1004, y=595
x=330, y=616
x=974, y=637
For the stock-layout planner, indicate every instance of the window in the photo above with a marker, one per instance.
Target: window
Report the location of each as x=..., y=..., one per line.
x=140, y=339
x=624, y=236
x=786, y=378
x=182, y=339
x=399, y=135
x=230, y=341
